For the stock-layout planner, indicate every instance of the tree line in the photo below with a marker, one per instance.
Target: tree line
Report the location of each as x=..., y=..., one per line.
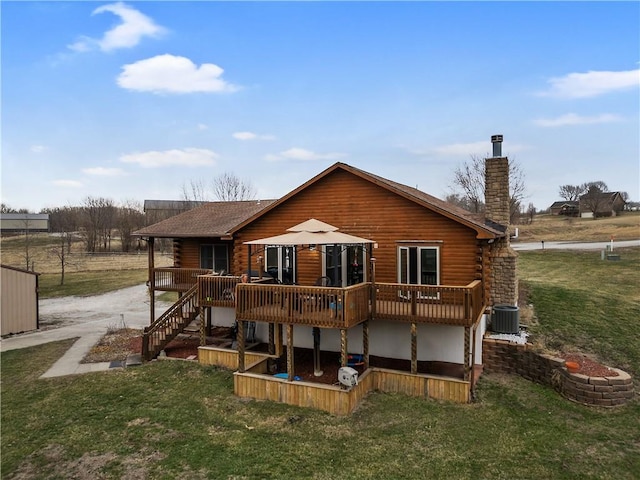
x=96, y=221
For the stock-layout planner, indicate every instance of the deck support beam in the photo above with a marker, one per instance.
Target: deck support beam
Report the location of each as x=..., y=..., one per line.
x=467, y=341
x=272, y=345
x=365, y=343
x=414, y=348
x=240, y=338
x=344, y=348
x=290, y=365
x=473, y=361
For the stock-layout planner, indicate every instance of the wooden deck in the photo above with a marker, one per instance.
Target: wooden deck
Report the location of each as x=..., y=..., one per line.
x=329, y=307
x=341, y=401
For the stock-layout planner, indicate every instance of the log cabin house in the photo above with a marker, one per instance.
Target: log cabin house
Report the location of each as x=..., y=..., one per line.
x=348, y=263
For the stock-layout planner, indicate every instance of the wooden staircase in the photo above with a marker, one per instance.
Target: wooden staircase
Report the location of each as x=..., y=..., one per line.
x=172, y=322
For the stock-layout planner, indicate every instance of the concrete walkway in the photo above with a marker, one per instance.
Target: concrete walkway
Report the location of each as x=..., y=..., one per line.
x=88, y=319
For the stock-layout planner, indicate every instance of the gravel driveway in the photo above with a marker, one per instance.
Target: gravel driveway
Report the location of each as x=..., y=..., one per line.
x=69, y=317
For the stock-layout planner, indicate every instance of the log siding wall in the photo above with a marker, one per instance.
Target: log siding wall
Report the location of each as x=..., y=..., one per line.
x=359, y=207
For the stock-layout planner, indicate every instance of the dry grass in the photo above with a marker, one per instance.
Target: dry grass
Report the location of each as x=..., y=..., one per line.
x=43, y=250
x=558, y=228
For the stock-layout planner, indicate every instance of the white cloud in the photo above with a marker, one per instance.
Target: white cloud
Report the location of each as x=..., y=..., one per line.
x=202, y=127
x=591, y=84
x=38, y=148
x=133, y=27
x=67, y=183
x=252, y=136
x=574, y=119
x=304, y=155
x=188, y=157
x=172, y=74
x=104, y=172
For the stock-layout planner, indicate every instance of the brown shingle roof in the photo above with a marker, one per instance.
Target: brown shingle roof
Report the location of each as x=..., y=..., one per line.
x=213, y=219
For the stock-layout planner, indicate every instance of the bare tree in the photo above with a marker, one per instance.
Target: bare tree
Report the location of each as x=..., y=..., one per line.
x=129, y=218
x=229, y=186
x=571, y=193
x=469, y=178
x=98, y=219
x=195, y=191
x=459, y=201
x=469, y=183
x=225, y=187
x=62, y=252
x=594, y=198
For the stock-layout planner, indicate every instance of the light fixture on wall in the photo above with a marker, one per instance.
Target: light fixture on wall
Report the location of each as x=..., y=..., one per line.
x=312, y=248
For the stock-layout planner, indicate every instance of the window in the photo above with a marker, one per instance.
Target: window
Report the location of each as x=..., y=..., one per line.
x=280, y=263
x=419, y=265
x=344, y=264
x=215, y=257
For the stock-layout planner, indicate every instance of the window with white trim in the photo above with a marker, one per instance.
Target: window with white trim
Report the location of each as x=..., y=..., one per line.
x=419, y=265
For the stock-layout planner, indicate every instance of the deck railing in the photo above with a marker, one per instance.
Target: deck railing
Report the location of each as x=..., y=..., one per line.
x=332, y=307
x=173, y=279
x=301, y=305
x=451, y=305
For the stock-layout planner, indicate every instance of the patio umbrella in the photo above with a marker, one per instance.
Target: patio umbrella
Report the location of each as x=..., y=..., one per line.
x=311, y=232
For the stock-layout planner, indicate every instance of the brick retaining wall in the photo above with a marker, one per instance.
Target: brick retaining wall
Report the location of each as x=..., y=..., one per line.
x=502, y=356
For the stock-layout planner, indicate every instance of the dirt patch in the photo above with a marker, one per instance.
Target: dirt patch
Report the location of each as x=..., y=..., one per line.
x=116, y=345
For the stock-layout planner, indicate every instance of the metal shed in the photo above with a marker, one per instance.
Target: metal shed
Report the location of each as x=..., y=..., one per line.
x=19, y=311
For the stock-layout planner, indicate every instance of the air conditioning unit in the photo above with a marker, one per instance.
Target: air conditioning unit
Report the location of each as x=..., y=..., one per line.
x=348, y=376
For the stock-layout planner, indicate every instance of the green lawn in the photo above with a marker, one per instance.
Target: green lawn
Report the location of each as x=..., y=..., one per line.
x=171, y=419
x=90, y=283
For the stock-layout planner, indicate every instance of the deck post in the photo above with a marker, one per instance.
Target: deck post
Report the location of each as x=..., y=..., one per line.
x=290, y=366
x=272, y=346
x=365, y=343
x=279, y=339
x=203, y=332
x=241, y=345
x=414, y=348
x=152, y=280
x=343, y=347
x=473, y=361
x=467, y=332
x=208, y=314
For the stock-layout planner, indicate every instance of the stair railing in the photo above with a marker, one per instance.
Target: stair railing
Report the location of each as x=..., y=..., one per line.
x=167, y=326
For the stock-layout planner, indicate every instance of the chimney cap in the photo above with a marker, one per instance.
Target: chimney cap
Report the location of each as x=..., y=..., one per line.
x=496, y=138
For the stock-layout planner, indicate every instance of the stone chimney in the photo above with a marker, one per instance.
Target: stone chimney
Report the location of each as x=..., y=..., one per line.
x=496, y=192
x=504, y=280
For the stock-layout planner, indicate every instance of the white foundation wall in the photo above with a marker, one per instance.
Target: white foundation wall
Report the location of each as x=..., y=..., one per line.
x=226, y=317
x=441, y=343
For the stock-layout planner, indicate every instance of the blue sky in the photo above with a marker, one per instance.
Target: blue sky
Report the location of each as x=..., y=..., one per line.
x=134, y=100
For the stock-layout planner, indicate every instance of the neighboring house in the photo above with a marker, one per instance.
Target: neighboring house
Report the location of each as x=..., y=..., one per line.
x=19, y=300
x=410, y=282
x=606, y=204
x=565, y=207
x=24, y=222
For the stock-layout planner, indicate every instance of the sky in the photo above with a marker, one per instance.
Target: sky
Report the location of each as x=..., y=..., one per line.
x=137, y=100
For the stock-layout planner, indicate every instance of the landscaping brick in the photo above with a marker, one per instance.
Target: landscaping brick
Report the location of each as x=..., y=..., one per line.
x=598, y=381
